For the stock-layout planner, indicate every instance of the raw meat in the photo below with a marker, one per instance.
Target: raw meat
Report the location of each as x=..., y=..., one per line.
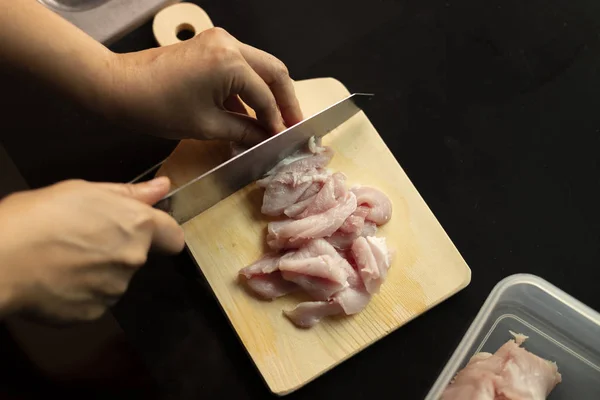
x=284, y=234
x=328, y=196
x=296, y=209
x=350, y=300
x=325, y=244
x=271, y=286
x=373, y=261
x=355, y=222
x=317, y=268
x=287, y=182
x=381, y=206
x=264, y=278
x=512, y=373
x=343, y=241
x=310, y=313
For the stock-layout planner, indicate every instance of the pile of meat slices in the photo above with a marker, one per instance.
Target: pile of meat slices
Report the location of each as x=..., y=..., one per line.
x=324, y=243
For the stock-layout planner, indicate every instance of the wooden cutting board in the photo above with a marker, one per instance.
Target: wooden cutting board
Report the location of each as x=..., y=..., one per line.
x=426, y=269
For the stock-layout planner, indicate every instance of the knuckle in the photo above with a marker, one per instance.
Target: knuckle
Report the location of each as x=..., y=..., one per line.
x=143, y=219
x=227, y=55
x=208, y=128
x=245, y=132
x=218, y=31
x=94, y=312
x=134, y=258
x=89, y=313
x=71, y=183
x=281, y=70
x=129, y=189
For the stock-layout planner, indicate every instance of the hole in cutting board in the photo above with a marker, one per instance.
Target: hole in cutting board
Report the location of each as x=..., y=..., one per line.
x=185, y=31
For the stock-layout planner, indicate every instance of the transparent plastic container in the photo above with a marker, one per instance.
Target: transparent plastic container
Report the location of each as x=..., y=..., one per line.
x=560, y=329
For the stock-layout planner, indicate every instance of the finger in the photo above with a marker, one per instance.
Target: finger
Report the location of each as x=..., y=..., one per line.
x=109, y=282
x=255, y=92
x=234, y=104
x=168, y=236
x=148, y=192
x=238, y=128
x=276, y=76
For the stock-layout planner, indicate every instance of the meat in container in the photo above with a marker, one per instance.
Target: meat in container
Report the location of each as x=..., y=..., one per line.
x=560, y=329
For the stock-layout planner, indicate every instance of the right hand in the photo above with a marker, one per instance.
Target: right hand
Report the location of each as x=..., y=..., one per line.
x=68, y=251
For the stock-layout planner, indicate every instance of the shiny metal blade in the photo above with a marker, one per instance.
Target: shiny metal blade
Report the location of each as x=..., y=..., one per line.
x=236, y=173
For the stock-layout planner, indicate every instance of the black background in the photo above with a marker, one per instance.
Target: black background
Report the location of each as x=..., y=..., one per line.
x=491, y=107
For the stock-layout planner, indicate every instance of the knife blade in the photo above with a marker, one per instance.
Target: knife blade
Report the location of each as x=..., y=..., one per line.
x=252, y=164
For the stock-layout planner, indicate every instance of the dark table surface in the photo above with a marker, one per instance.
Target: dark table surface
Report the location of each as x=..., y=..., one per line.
x=492, y=108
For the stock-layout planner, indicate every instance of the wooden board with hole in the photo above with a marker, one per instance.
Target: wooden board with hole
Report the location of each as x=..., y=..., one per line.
x=426, y=268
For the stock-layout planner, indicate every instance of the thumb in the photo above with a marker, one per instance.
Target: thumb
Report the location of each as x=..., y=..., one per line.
x=238, y=128
x=148, y=192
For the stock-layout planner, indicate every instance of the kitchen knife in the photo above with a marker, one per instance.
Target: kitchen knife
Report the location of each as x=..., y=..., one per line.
x=252, y=164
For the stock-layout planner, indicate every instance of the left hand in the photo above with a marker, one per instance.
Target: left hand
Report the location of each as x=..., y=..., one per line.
x=193, y=90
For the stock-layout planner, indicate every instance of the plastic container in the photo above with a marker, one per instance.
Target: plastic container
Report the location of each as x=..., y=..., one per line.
x=560, y=329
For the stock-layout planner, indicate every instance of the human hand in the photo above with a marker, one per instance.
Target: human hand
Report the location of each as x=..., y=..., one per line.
x=193, y=90
x=68, y=251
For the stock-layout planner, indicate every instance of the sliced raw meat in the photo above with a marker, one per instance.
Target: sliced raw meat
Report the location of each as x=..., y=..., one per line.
x=297, y=165
x=380, y=204
x=291, y=180
x=373, y=261
x=356, y=221
x=511, y=373
x=342, y=241
x=278, y=196
x=265, y=265
x=333, y=189
x=317, y=268
x=310, y=313
x=311, y=191
x=354, y=298
x=271, y=286
x=264, y=278
x=333, y=253
x=296, y=209
x=314, y=145
x=282, y=234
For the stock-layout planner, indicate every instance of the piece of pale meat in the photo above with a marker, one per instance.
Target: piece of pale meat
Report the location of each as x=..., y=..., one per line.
x=373, y=261
x=317, y=268
x=343, y=241
x=510, y=373
x=351, y=300
x=310, y=313
x=296, y=209
x=355, y=297
x=278, y=196
x=376, y=200
x=333, y=189
x=291, y=180
x=297, y=165
x=356, y=221
x=271, y=286
x=264, y=278
x=311, y=191
x=285, y=234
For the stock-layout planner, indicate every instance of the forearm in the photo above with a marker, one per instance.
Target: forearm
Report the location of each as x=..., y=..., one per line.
x=39, y=42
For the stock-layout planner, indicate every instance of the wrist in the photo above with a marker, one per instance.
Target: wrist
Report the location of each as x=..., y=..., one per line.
x=13, y=251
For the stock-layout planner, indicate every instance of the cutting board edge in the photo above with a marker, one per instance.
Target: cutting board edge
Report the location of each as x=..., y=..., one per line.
x=283, y=391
